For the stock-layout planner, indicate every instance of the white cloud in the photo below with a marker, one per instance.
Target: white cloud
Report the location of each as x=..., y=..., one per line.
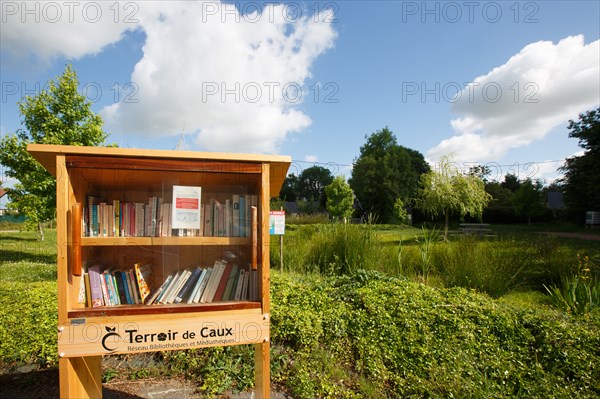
x=38, y=32
x=311, y=158
x=222, y=76
x=517, y=103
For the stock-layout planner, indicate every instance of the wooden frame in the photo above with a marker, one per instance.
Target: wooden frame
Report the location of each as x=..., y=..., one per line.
x=87, y=333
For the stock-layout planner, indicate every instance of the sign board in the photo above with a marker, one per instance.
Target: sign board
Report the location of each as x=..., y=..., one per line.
x=92, y=338
x=277, y=223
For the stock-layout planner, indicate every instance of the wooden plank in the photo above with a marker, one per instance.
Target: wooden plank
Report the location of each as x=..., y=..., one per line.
x=80, y=377
x=133, y=310
x=181, y=165
x=76, y=213
x=128, y=335
x=262, y=370
x=265, y=240
x=158, y=241
x=62, y=198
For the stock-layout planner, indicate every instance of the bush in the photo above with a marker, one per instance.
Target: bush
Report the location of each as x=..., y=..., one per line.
x=28, y=323
x=391, y=338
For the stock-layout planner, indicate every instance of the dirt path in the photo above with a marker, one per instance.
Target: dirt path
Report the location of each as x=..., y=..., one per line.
x=582, y=236
x=43, y=384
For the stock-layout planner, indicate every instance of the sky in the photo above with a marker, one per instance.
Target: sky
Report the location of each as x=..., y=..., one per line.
x=491, y=83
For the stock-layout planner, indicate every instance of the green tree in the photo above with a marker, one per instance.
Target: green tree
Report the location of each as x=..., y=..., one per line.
x=511, y=182
x=340, y=198
x=385, y=171
x=446, y=190
x=289, y=190
x=501, y=196
x=529, y=199
x=400, y=211
x=57, y=115
x=312, y=182
x=581, y=181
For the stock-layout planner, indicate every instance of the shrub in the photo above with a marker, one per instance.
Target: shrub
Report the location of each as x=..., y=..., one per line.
x=28, y=323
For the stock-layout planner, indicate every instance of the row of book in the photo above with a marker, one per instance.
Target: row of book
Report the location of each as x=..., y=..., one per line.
x=110, y=287
x=225, y=281
x=219, y=218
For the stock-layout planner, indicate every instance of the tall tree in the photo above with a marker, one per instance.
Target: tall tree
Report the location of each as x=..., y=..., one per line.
x=312, y=182
x=511, y=182
x=529, y=199
x=289, y=190
x=446, y=190
x=385, y=171
x=581, y=181
x=340, y=198
x=57, y=115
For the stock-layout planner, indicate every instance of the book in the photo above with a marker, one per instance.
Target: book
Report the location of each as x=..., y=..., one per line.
x=169, y=289
x=157, y=293
x=244, y=291
x=196, y=286
x=185, y=290
x=134, y=292
x=211, y=286
x=120, y=287
x=240, y=283
x=103, y=288
x=126, y=289
x=92, y=215
x=110, y=289
x=207, y=217
x=203, y=285
x=229, y=288
x=242, y=220
x=81, y=293
x=144, y=277
x=235, y=215
x=223, y=282
x=185, y=275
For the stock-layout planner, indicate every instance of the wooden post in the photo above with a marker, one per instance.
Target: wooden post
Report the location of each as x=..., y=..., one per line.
x=76, y=213
x=262, y=358
x=254, y=238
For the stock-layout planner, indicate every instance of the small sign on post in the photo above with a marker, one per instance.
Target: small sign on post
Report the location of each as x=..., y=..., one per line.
x=277, y=228
x=277, y=223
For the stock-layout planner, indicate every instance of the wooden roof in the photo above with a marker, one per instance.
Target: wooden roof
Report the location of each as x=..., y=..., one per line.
x=46, y=154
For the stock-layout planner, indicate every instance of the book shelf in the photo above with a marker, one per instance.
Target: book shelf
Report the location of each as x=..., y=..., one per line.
x=115, y=216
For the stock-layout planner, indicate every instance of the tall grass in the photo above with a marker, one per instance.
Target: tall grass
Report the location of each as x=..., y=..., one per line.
x=333, y=249
x=494, y=266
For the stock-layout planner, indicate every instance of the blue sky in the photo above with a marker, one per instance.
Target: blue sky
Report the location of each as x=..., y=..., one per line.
x=493, y=83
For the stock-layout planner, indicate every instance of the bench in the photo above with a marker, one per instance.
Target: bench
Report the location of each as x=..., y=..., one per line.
x=478, y=229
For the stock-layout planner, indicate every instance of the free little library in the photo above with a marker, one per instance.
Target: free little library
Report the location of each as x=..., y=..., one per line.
x=159, y=250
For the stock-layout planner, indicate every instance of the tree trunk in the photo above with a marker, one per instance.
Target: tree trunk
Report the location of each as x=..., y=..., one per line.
x=40, y=231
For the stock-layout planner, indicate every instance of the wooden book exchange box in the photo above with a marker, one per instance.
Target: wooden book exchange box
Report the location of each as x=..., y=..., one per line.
x=159, y=250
